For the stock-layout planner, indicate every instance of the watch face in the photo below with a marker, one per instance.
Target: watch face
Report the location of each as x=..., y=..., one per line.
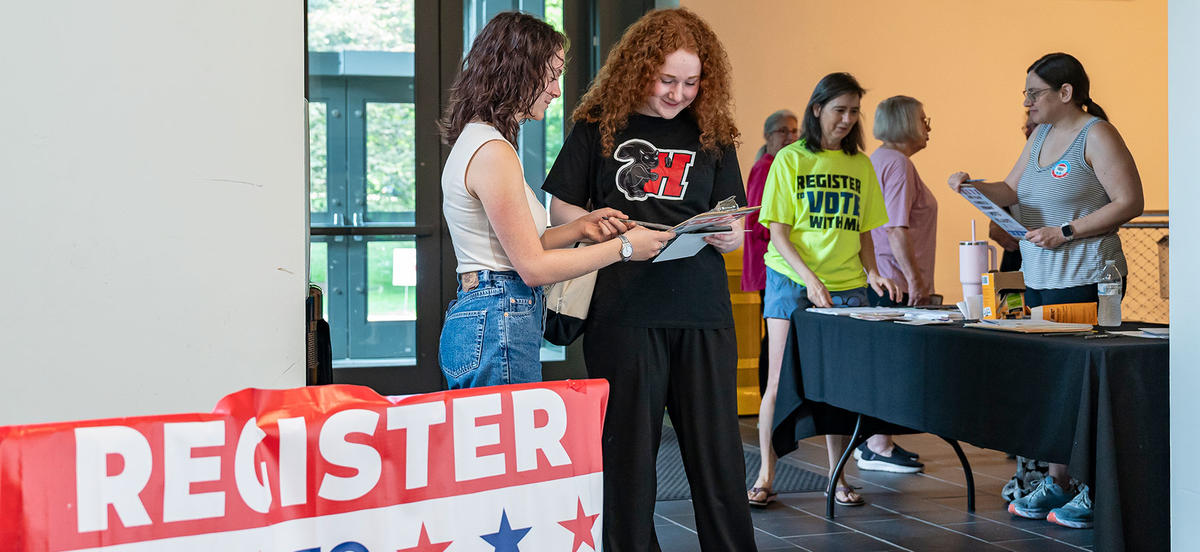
x=626, y=248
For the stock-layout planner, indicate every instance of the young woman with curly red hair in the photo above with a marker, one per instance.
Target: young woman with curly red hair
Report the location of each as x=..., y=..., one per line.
x=493, y=329
x=654, y=137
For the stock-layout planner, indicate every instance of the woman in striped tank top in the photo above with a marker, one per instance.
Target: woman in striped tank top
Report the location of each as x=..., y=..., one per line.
x=1074, y=185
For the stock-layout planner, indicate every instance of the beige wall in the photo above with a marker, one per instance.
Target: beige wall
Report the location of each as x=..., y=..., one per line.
x=966, y=62
x=155, y=210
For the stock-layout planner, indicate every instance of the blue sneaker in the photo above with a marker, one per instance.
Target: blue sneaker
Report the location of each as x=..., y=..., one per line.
x=1036, y=505
x=1077, y=514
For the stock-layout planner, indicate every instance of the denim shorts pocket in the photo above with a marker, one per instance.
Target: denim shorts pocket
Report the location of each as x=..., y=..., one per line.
x=482, y=292
x=521, y=305
x=461, y=344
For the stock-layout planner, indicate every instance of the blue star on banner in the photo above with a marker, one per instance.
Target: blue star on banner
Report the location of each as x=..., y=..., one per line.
x=506, y=539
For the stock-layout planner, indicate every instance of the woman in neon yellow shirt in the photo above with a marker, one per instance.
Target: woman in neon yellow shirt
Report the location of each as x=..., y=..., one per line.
x=821, y=201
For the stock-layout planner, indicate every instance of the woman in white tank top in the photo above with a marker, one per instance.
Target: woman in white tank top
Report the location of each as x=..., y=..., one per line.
x=1074, y=185
x=493, y=329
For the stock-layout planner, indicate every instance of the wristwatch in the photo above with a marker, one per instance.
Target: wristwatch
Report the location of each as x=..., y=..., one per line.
x=1068, y=232
x=626, y=249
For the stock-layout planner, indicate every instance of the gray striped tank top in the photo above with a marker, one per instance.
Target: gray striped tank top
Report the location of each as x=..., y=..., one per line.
x=1061, y=192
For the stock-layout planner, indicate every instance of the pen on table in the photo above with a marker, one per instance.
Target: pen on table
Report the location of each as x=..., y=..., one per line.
x=1097, y=336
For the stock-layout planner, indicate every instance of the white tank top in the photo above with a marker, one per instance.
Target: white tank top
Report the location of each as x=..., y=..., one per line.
x=476, y=245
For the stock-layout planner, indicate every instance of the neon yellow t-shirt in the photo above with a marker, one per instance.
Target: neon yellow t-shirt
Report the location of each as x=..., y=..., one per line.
x=828, y=198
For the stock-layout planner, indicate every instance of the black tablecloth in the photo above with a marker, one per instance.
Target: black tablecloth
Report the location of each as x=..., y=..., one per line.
x=1100, y=405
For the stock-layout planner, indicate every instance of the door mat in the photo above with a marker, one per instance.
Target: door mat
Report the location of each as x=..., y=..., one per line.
x=673, y=483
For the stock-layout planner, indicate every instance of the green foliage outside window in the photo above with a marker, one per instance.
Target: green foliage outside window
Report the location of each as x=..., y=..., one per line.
x=368, y=25
x=317, y=161
x=391, y=157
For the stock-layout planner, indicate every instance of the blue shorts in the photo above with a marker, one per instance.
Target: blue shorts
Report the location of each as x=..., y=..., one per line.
x=783, y=296
x=493, y=333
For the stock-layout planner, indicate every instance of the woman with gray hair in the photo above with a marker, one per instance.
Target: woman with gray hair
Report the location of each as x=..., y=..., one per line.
x=905, y=245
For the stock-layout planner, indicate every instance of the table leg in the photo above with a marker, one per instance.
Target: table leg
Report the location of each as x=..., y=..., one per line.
x=962, y=458
x=855, y=439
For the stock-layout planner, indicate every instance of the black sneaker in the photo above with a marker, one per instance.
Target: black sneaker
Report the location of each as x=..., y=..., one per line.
x=897, y=451
x=870, y=461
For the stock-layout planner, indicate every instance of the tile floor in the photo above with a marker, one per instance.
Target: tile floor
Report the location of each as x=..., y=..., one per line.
x=918, y=512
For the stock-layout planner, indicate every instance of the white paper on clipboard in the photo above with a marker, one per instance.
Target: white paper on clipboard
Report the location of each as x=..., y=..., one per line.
x=993, y=211
x=684, y=245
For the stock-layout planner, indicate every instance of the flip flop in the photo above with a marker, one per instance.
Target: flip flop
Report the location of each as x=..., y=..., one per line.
x=845, y=491
x=766, y=492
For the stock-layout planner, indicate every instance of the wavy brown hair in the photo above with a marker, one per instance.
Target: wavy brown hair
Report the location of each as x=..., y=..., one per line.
x=625, y=81
x=502, y=76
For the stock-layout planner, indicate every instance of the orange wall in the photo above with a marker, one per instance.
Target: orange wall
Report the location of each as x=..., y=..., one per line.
x=966, y=61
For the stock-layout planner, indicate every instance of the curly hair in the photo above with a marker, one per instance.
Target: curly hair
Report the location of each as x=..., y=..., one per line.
x=502, y=76
x=633, y=64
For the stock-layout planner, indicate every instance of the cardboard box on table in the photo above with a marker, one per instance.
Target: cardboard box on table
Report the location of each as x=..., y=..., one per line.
x=1003, y=295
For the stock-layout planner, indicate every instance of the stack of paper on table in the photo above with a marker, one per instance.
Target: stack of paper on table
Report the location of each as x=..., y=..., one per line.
x=890, y=313
x=1030, y=326
x=1152, y=333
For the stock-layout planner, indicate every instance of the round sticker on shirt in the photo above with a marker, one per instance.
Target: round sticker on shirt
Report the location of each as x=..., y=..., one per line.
x=1061, y=169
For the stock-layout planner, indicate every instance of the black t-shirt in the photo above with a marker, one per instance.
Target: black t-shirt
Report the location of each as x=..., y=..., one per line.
x=656, y=173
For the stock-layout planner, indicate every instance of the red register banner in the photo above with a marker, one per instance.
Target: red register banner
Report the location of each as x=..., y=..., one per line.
x=318, y=469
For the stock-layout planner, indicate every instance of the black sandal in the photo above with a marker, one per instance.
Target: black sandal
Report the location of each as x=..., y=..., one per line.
x=766, y=492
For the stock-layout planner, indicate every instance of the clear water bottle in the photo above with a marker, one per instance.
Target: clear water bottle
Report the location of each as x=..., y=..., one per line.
x=1108, y=312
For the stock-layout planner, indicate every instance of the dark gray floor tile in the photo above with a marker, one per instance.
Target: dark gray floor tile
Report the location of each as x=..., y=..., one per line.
x=686, y=520
x=815, y=505
x=1077, y=537
x=848, y=541
x=1037, y=545
x=670, y=507
x=677, y=539
x=905, y=530
x=786, y=522
x=990, y=531
x=765, y=541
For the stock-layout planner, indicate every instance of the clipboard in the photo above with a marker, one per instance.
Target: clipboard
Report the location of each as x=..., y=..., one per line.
x=689, y=234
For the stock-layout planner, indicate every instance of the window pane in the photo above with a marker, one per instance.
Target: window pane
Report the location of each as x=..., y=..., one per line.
x=391, y=280
x=379, y=25
x=391, y=163
x=554, y=113
x=318, y=270
x=317, y=157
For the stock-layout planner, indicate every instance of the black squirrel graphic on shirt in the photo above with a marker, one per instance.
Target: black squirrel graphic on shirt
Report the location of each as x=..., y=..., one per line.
x=652, y=172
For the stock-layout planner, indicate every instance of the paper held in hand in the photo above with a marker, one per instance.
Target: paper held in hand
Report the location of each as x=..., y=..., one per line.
x=993, y=211
x=689, y=234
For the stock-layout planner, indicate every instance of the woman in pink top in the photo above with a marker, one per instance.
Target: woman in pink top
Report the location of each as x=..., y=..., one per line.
x=904, y=247
x=781, y=128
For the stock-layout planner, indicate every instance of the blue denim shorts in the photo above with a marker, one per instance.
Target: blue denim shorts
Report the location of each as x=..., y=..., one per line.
x=783, y=296
x=493, y=333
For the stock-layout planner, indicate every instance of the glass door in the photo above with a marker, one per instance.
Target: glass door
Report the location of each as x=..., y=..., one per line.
x=371, y=219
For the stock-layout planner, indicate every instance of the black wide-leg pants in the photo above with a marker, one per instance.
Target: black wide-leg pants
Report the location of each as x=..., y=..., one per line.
x=693, y=374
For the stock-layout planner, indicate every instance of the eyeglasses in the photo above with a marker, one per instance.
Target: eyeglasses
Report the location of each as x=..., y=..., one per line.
x=847, y=300
x=786, y=131
x=1033, y=95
